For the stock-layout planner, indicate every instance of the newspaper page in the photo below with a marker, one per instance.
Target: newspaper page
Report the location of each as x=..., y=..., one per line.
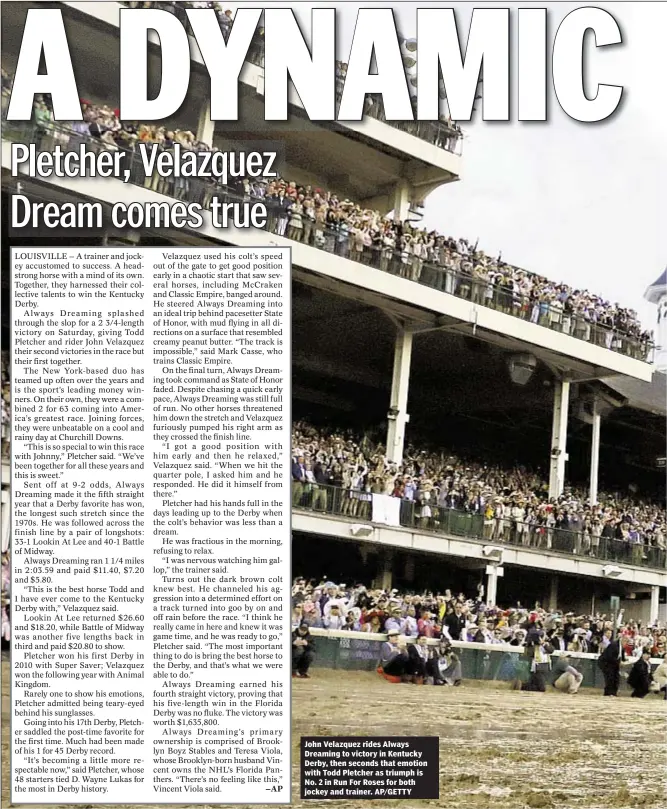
x=151, y=523
x=334, y=352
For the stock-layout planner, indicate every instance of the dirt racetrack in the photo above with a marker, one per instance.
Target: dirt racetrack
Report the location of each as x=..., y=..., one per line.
x=499, y=749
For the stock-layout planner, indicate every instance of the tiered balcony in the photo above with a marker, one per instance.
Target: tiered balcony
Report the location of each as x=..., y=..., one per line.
x=365, y=160
x=322, y=502
x=438, y=297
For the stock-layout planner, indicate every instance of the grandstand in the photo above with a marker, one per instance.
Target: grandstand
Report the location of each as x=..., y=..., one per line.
x=440, y=348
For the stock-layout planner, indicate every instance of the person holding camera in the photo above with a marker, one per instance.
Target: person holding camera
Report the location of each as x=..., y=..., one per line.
x=444, y=665
x=538, y=652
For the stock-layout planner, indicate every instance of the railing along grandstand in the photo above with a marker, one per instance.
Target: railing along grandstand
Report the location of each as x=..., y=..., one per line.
x=442, y=134
x=342, y=242
x=332, y=500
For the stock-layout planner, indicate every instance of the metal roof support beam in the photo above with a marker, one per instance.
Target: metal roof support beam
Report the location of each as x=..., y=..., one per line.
x=493, y=571
x=655, y=604
x=552, y=602
x=205, y=126
x=559, y=438
x=402, y=199
x=595, y=454
x=397, y=416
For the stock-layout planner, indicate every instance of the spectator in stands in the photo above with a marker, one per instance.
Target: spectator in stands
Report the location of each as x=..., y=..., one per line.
x=433, y=486
x=393, y=620
x=303, y=650
x=557, y=638
x=639, y=678
x=311, y=613
x=393, y=657
x=42, y=115
x=333, y=616
x=352, y=620
x=659, y=643
x=372, y=624
x=319, y=500
x=518, y=637
x=456, y=622
x=299, y=478
x=427, y=626
x=409, y=625
x=607, y=637
x=483, y=634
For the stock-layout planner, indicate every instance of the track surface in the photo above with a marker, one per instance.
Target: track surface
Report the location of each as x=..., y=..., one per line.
x=499, y=749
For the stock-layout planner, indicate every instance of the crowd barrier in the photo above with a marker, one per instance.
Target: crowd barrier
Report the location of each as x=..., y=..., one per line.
x=360, y=651
x=386, y=510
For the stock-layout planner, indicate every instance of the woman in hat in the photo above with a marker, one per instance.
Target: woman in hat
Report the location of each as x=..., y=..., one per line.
x=393, y=657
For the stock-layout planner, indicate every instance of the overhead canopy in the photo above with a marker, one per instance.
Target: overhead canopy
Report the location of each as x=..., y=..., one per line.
x=650, y=397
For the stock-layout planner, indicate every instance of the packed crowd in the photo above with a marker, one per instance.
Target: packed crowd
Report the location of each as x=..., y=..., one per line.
x=420, y=630
x=355, y=607
x=320, y=218
x=512, y=503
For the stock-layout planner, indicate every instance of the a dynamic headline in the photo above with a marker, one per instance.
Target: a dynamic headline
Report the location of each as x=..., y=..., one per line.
x=445, y=65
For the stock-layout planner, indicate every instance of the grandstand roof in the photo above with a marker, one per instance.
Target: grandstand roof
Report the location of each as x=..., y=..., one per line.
x=651, y=397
